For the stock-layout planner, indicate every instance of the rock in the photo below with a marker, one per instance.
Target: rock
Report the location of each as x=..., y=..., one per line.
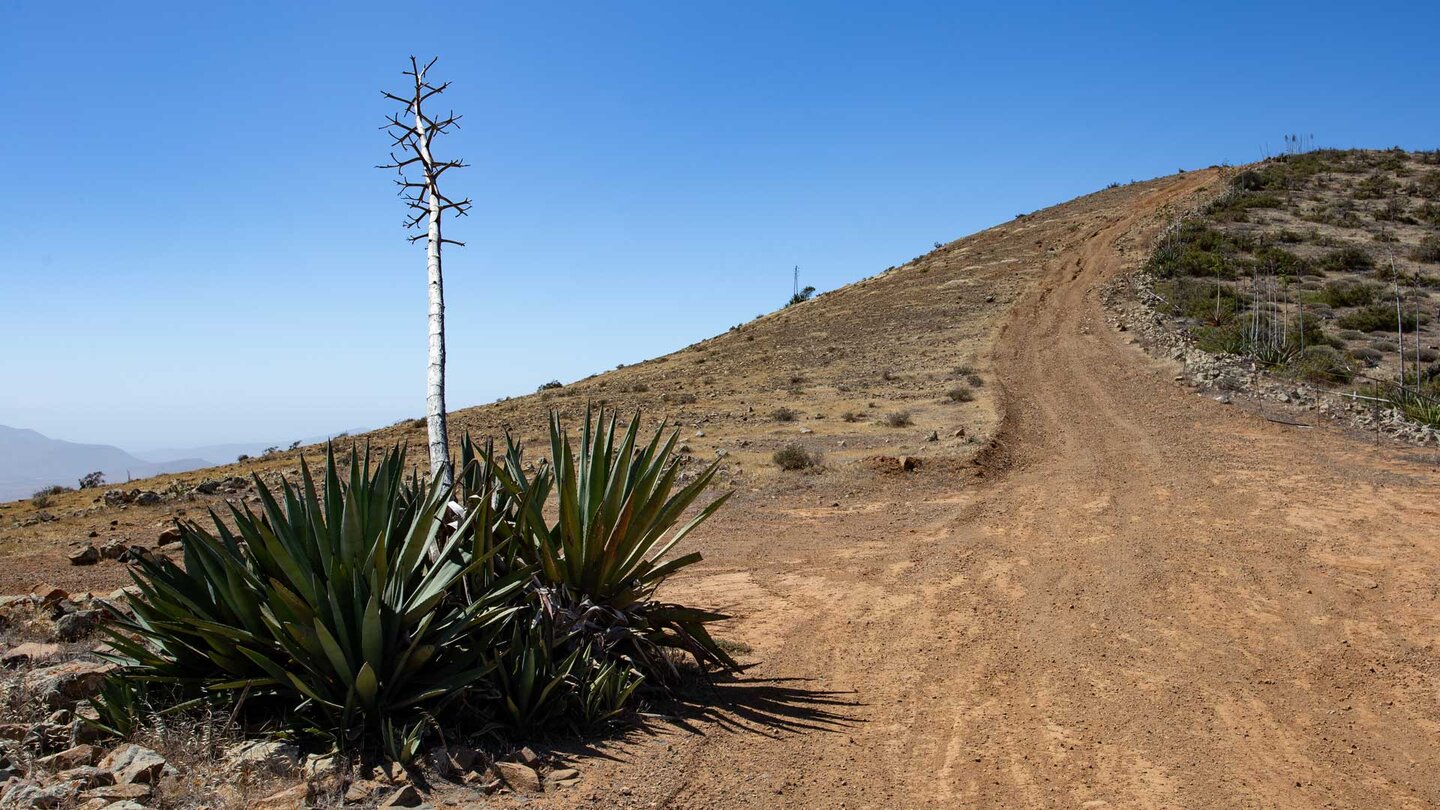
x=806, y=430
x=74, y=626
x=147, y=498
x=907, y=463
x=127, y=804
x=171, y=534
x=465, y=758
x=86, y=776
x=133, y=764
x=49, y=594
x=562, y=777
x=68, y=683
x=934, y=436
x=89, y=555
x=113, y=549
x=519, y=778
x=30, y=652
x=362, y=790
x=699, y=434
x=26, y=793
x=319, y=766
x=73, y=757
x=264, y=755
x=406, y=796
x=287, y=799
x=527, y=756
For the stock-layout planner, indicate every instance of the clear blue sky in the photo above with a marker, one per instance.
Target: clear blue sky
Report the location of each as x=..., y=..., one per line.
x=194, y=247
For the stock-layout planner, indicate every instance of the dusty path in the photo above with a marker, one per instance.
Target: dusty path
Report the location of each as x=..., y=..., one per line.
x=1152, y=600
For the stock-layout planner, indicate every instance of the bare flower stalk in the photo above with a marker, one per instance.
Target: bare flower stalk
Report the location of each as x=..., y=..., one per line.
x=413, y=132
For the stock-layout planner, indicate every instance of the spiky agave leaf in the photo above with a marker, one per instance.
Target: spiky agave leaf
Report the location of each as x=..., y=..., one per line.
x=349, y=606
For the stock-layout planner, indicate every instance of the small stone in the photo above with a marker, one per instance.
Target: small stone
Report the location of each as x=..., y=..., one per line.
x=934, y=436
x=563, y=775
x=30, y=653
x=406, y=796
x=273, y=756
x=170, y=535
x=362, y=790
x=113, y=549
x=49, y=594
x=89, y=555
x=118, y=791
x=66, y=684
x=287, y=799
x=73, y=757
x=86, y=776
x=519, y=778
x=74, y=626
x=527, y=756
x=134, y=764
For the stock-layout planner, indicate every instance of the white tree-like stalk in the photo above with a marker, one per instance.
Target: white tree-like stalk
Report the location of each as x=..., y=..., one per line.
x=414, y=132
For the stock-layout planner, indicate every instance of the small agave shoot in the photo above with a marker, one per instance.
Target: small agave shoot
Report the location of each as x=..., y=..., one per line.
x=325, y=611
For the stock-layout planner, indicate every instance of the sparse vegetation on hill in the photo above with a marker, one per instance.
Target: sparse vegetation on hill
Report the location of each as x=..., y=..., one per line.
x=1308, y=256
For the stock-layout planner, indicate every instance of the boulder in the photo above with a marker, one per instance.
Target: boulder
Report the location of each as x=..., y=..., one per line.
x=406, y=796
x=68, y=683
x=170, y=535
x=113, y=549
x=86, y=776
x=72, y=757
x=49, y=594
x=117, y=792
x=255, y=756
x=76, y=625
x=133, y=764
x=30, y=653
x=89, y=555
x=287, y=799
x=519, y=778
x=147, y=498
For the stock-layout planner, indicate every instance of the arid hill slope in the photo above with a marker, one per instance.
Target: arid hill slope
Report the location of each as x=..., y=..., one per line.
x=1122, y=595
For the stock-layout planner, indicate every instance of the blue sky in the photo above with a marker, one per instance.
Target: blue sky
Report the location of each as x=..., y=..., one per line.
x=195, y=248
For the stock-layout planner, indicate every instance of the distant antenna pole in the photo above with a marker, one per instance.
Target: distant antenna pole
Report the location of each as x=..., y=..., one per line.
x=796, y=285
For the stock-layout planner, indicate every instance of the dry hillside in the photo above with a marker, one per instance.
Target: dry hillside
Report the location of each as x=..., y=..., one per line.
x=1108, y=592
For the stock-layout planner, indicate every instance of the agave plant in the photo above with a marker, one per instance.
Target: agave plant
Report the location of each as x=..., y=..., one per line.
x=598, y=564
x=356, y=609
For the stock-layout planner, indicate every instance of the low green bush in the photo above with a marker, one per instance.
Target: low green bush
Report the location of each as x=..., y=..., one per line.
x=793, y=457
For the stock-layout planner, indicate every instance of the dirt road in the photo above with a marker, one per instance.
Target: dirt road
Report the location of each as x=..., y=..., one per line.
x=1148, y=599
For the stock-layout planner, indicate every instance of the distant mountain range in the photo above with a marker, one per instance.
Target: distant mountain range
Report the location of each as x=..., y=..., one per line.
x=31, y=461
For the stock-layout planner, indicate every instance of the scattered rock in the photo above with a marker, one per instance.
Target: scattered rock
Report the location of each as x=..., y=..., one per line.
x=287, y=799
x=147, y=498
x=26, y=793
x=133, y=764
x=116, y=793
x=934, y=436
x=76, y=625
x=319, y=766
x=49, y=594
x=86, y=776
x=89, y=555
x=30, y=653
x=73, y=757
x=562, y=777
x=519, y=778
x=68, y=683
x=406, y=796
x=362, y=790
x=170, y=535
x=113, y=549
x=273, y=756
